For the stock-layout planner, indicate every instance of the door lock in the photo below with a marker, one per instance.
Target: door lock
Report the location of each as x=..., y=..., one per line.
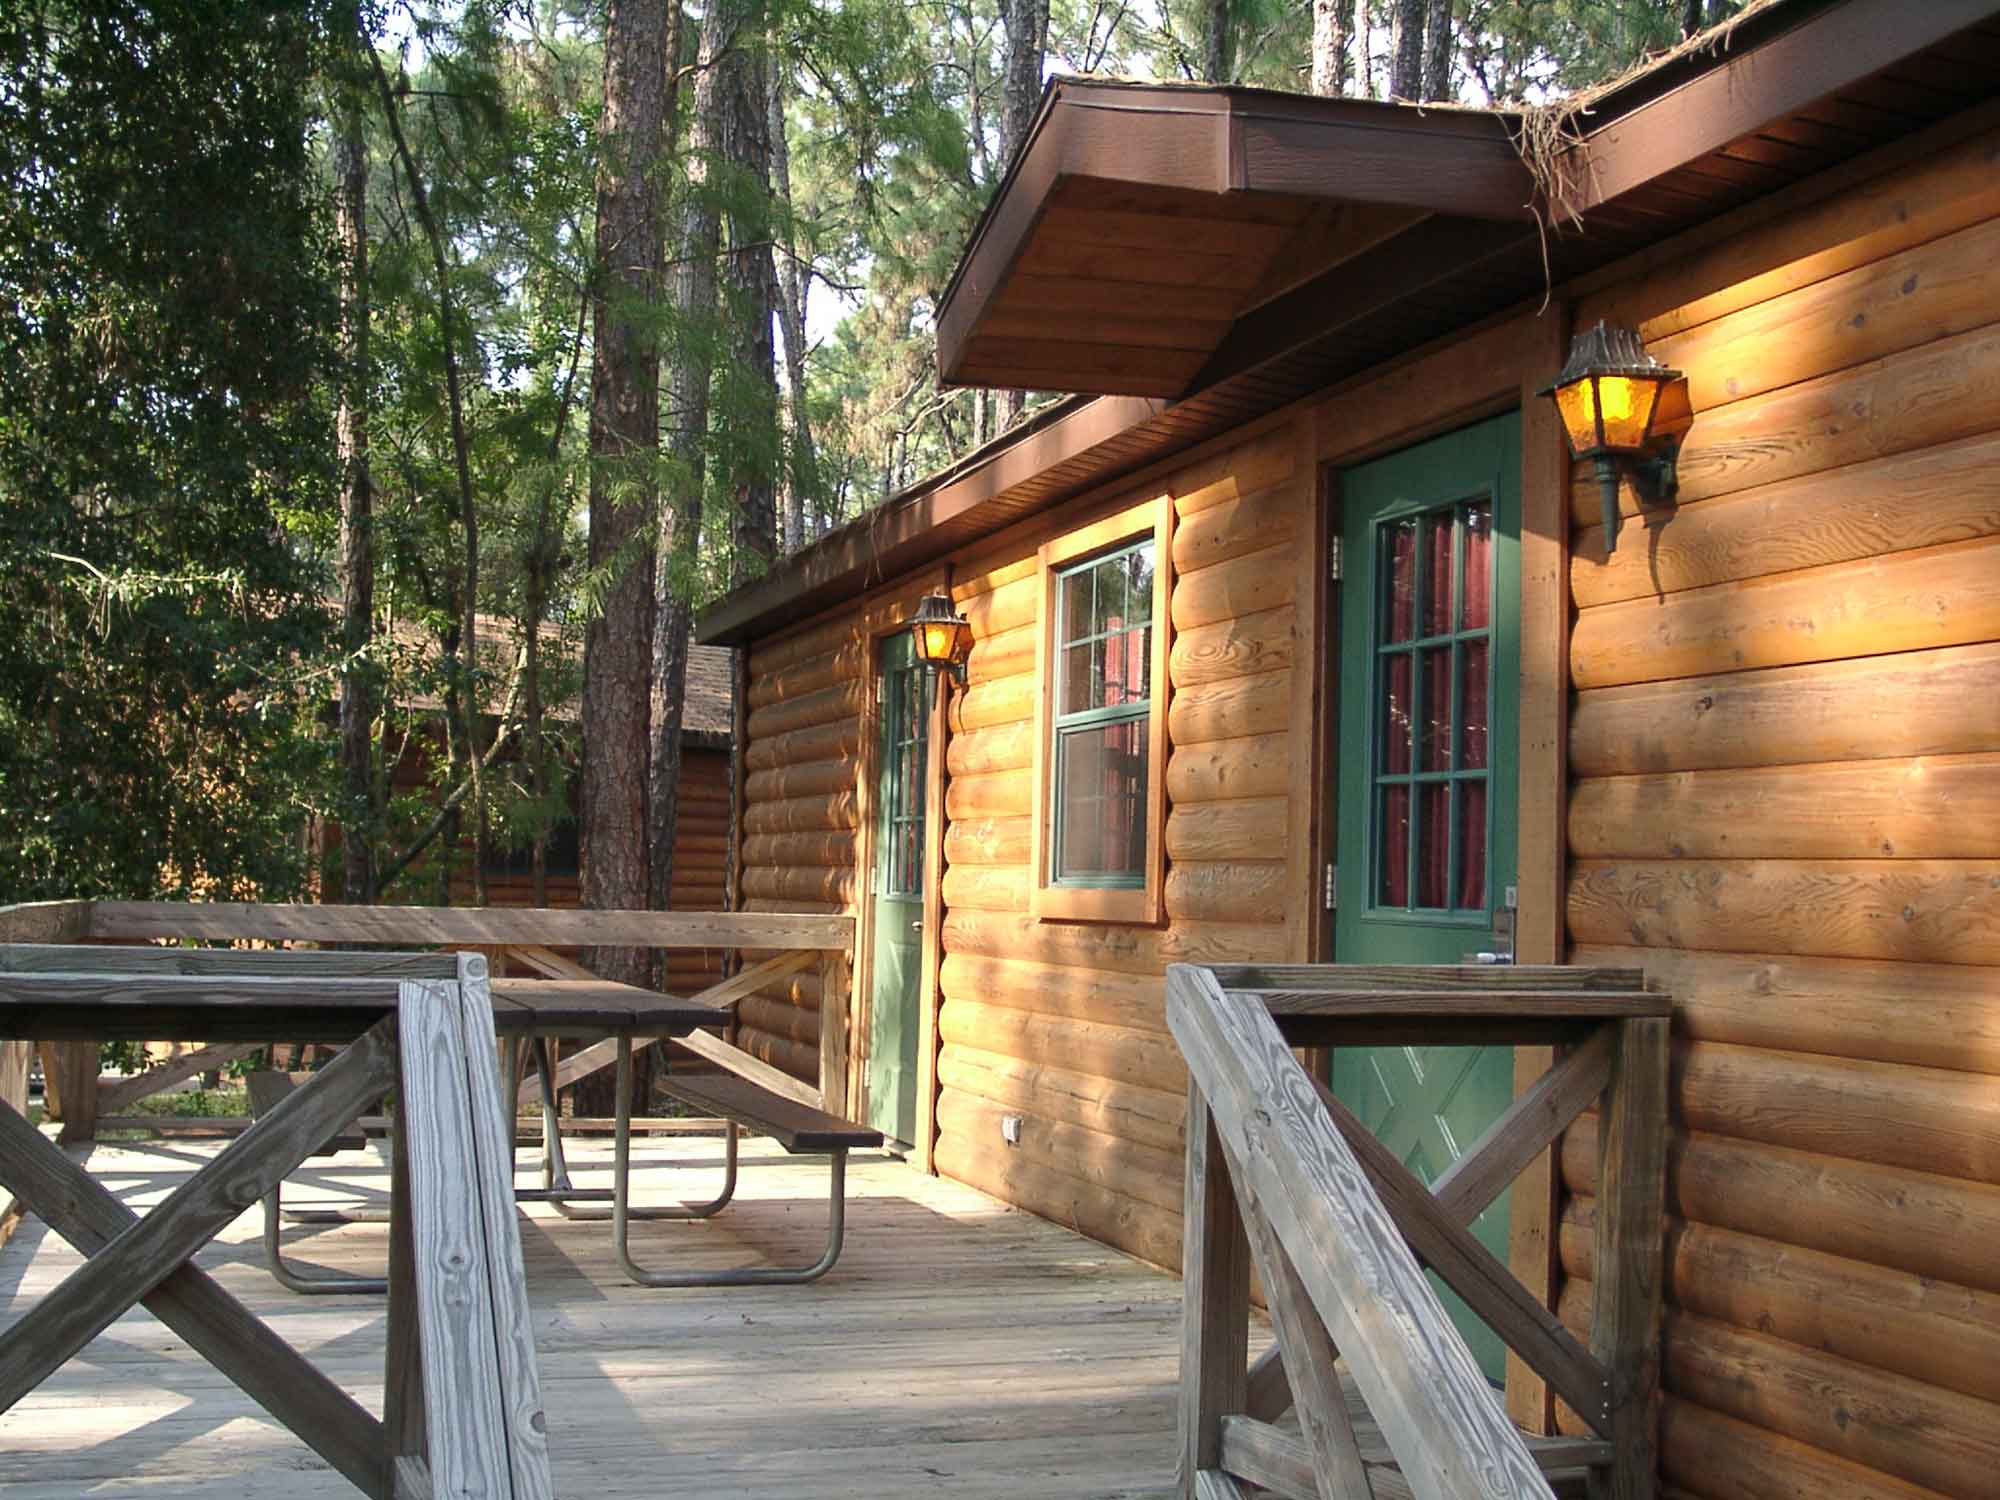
x=1505, y=920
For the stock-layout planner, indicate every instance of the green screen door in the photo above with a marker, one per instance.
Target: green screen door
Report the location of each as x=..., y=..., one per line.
x=898, y=889
x=1429, y=609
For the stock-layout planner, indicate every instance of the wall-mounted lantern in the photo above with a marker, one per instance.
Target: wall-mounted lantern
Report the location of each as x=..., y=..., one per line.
x=943, y=636
x=1609, y=396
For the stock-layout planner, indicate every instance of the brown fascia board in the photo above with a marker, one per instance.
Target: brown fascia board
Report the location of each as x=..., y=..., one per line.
x=903, y=534
x=1223, y=140
x=1778, y=62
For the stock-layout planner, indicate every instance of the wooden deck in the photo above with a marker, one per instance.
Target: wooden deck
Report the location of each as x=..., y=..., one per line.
x=959, y=1345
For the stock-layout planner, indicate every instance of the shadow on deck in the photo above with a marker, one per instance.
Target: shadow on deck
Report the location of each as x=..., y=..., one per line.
x=959, y=1344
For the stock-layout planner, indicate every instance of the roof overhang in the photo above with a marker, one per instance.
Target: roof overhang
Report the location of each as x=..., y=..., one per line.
x=1141, y=221
x=1791, y=89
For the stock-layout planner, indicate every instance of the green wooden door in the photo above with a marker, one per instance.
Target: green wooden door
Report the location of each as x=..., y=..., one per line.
x=898, y=891
x=1429, y=611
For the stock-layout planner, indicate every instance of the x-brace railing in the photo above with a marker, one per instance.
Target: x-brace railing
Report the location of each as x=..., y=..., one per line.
x=1283, y=1176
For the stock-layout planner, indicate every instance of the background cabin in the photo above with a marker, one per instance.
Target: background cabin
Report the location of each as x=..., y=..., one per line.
x=1296, y=637
x=701, y=846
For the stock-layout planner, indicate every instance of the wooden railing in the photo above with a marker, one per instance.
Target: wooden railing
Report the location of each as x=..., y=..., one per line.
x=521, y=940
x=1282, y=1175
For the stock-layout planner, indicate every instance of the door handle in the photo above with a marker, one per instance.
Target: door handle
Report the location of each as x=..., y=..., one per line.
x=918, y=925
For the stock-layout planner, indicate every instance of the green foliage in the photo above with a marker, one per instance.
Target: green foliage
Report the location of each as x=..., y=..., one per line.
x=165, y=475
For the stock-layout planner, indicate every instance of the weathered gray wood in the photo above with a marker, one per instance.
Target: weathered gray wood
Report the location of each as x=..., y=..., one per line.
x=1474, y=1272
x=267, y=1089
x=600, y=1055
x=1365, y=979
x=221, y=920
x=743, y=1065
x=835, y=1012
x=115, y=1098
x=1439, y=1416
x=491, y=1169
x=1308, y=1355
x=152, y=958
x=50, y=1333
x=16, y=1060
x=1267, y=1393
x=413, y=1479
x=1276, y=1460
x=1477, y=1177
x=1526, y=1130
x=45, y=922
x=99, y=1004
x=465, y=1420
x=1631, y=1246
x=1215, y=1298
x=403, y=1435
x=1461, y=1005
x=1213, y=1484
x=74, y=1083
x=545, y=962
x=188, y=1300
x=1268, y=1457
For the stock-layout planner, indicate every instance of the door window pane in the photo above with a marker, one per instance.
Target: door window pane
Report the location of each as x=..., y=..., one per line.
x=1437, y=574
x=1395, y=846
x=1399, y=573
x=1472, y=705
x=1437, y=709
x=1431, y=740
x=905, y=751
x=1477, y=595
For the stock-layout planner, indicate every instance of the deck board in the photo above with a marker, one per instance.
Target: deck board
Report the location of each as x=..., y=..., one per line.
x=958, y=1344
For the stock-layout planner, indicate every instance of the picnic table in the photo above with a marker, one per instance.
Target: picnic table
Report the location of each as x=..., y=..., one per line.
x=462, y=1405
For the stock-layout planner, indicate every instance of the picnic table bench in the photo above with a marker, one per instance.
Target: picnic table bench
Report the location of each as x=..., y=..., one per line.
x=462, y=1411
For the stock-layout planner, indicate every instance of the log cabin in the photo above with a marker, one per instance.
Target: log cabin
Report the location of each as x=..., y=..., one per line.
x=1298, y=633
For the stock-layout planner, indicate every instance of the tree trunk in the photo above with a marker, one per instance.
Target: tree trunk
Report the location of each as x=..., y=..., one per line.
x=624, y=443
x=1406, y=49
x=1437, y=49
x=1364, y=64
x=794, y=288
x=1217, y=60
x=363, y=819
x=1329, y=47
x=679, y=530
x=753, y=287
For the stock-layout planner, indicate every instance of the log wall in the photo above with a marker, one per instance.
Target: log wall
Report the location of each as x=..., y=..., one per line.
x=801, y=812
x=1786, y=744
x=1063, y=1023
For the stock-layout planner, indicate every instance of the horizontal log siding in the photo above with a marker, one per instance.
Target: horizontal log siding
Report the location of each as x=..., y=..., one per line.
x=1061, y=1023
x=1787, y=810
x=801, y=816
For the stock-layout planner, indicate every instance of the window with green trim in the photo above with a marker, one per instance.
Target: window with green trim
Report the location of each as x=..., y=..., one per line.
x=1103, y=699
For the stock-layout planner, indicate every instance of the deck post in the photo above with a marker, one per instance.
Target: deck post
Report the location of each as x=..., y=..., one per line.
x=76, y=1089
x=1215, y=1308
x=1631, y=1250
x=833, y=1048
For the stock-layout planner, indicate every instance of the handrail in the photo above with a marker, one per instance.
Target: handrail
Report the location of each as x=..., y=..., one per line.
x=486, y=925
x=1296, y=1174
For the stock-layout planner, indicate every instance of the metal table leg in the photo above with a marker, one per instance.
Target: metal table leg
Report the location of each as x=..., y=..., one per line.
x=622, y=1212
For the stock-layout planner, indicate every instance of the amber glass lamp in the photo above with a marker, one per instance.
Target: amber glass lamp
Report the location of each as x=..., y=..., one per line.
x=943, y=636
x=1609, y=397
